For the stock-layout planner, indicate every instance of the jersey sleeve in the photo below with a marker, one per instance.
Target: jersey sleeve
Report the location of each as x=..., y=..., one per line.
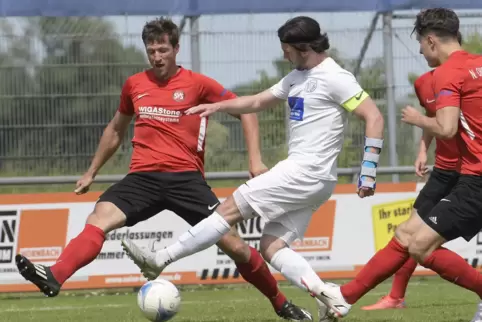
x=447, y=86
x=126, y=106
x=212, y=91
x=282, y=89
x=345, y=91
x=417, y=88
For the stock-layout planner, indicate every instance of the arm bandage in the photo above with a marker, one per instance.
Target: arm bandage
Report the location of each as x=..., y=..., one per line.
x=370, y=163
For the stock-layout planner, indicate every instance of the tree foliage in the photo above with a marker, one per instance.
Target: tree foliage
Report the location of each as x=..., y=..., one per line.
x=60, y=85
x=60, y=80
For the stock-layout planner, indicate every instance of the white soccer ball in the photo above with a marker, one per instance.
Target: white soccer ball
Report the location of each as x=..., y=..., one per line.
x=159, y=300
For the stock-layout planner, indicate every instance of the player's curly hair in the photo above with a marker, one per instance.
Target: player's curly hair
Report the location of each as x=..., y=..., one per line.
x=442, y=22
x=303, y=33
x=154, y=30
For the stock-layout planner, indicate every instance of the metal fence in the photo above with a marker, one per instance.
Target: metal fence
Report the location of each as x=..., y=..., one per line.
x=60, y=80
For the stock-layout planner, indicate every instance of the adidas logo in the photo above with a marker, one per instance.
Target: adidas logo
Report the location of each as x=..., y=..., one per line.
x=433, y=219
x=40, y=271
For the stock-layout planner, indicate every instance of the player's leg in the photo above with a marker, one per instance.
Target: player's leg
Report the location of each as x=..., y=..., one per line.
x=386, y=262
x=193, y=200
x=264, y=190
x=252, y=267
x=438, y=186
x=189, y=196
x=284, y=197
x=277, y=237
x=451, y=219
x=255, y=271
x=117, y=205
x=396, y=297
x=395, y=255
x=456, y=215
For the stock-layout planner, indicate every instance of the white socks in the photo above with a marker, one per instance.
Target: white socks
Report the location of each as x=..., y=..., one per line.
x=294, y=267
x=205, y=234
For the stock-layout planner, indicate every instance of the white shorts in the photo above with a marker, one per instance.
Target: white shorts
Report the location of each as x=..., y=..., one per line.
x=285, y=197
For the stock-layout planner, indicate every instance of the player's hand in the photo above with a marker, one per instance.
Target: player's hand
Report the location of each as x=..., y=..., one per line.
x=83, y=184
x=364, y=192
x=411, y=115
x=256, y=169
x=203, y=109
x=421, y=168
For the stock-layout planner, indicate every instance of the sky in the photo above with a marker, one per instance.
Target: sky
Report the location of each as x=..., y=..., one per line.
x=235, y=48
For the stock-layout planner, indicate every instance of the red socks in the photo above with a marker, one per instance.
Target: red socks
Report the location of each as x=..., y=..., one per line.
x=81, y=250
x=401, y=278
x=257, y=273
x=453, y=268
x=380, y=267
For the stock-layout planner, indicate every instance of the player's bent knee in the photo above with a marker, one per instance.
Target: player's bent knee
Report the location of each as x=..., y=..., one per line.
x=235, y=247
x=417, y=250
x=107, y=217
x=229, y=210
x=270, y=245
x=403, y=234
x=242, y=204
x=421, y=246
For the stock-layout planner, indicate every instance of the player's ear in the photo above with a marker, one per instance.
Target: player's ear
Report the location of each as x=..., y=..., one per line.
x=431, y=40
x=176, y=49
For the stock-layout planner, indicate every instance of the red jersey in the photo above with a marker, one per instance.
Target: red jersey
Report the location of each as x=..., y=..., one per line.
x=446, y=151
x=165, y=139
x=458, y=82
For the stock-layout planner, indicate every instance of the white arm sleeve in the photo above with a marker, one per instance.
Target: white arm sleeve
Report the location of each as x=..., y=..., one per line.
x=343, y=87
x=282, y=89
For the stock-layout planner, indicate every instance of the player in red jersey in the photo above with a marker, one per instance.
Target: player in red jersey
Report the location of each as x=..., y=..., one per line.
x=458, y=93
x=441, y=181
x=166, y=171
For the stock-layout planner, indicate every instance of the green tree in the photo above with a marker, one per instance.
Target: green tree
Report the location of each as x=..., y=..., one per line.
x=15, y=83
x=75, y=73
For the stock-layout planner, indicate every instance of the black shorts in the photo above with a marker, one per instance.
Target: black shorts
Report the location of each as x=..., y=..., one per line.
x=141, y=195
x=439, y=185
x=459, y=214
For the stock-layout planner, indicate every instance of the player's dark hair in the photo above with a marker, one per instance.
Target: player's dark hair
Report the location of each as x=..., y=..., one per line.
x=154, y=30
x=303, y=33
x=442, y=22
x=460, y=39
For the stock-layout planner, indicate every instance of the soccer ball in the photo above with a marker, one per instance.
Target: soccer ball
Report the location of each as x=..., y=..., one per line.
x=159, y=300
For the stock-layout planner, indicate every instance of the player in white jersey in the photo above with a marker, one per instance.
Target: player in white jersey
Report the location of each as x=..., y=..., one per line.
x=320, y=94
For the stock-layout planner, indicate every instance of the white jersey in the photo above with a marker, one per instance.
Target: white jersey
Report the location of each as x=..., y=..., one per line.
x=316, y=100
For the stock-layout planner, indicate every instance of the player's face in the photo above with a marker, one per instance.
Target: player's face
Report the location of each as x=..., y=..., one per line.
x=428, y=49
x=293, y=56
x=162, y=56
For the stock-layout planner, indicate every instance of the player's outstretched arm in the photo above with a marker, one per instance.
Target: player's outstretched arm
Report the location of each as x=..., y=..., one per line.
x=214, y=93
x=239, y=105
x=109, y=143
